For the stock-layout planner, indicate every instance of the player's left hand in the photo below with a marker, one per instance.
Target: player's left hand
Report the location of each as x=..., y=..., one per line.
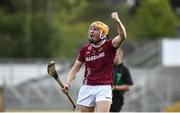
x=115, y=17
x=113, y=87
x=65, y=89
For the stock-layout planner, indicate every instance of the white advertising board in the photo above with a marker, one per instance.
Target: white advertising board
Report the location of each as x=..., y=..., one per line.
x=171, y=52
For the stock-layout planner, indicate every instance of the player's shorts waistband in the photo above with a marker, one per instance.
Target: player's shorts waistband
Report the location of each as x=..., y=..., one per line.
x=97, y=84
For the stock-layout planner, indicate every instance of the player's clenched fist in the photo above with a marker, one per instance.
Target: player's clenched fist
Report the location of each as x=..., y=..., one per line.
x=115, y=17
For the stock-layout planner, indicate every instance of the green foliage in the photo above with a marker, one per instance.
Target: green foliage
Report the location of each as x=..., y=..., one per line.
x=73, y=35
x=73, y=31
x=10, y=35
x=154, y=19
x=57, y=28
x=43, y=41
x=69, y=11
x=97, y=10
x=28, y=32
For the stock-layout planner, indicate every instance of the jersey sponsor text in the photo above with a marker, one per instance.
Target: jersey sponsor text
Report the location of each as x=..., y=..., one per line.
x=91, y=58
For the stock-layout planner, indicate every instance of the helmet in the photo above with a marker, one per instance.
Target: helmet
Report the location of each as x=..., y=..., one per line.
x=101, y=26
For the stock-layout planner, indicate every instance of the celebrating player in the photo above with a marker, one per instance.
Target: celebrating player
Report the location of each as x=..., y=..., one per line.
x=98, y=58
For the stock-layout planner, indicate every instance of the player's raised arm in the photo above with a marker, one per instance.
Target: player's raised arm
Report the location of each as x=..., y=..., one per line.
x=118, y=40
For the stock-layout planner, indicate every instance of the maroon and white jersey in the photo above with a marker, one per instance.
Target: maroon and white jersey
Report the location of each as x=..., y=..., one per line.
x=98, y=63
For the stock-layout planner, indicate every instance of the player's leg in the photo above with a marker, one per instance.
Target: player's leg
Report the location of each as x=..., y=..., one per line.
x=86, y=99
x=103, y=98
x=103, y=106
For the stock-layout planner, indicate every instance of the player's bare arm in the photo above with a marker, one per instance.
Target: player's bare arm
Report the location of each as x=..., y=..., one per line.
x=122, y=87
x=72, y=75
x=73, y=72
x=118, y=40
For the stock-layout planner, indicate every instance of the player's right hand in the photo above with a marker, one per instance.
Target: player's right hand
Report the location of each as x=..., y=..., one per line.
x=66, y=87
x=115, y=17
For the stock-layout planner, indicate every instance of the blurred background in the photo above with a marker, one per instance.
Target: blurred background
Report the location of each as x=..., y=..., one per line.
x=33, y=32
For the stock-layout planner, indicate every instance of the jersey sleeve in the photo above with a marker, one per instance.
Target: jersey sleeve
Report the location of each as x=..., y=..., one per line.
x=81, y=56
x=111, y=46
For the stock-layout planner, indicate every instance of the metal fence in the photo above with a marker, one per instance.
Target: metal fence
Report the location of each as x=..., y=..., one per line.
x=154, y=89
x=27, y=86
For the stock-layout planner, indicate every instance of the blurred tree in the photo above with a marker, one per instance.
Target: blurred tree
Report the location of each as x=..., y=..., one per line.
x=7, y=6
x=153, y=19
x=176, y=6
x=11, y=34
x=28, y=32
x=73, y=30
x=97, y=10
x=51, y=28
x=46, y=28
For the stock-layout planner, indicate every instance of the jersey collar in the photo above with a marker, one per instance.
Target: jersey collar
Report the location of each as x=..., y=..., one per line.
x=98, y=45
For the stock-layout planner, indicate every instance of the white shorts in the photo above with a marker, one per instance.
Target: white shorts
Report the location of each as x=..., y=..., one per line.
x=89, y=95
